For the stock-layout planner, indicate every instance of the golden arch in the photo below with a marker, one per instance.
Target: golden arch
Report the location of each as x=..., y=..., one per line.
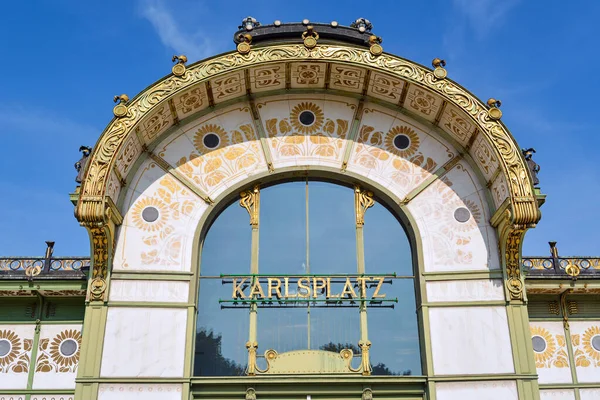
x=518, y=212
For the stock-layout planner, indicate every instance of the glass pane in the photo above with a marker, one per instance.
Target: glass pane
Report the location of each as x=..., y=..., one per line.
x=221, y=334
x=332, y=229
x=228, y=243
x=394, y=334
x=387, y=248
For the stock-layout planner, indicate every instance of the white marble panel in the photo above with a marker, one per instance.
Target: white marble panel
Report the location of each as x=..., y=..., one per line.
x=550, y=352
x=589, y=394
x=558, y=394
x=151, y=291
x=10, y=396
x=485, y=390
x=585, y=336
x=139, y=391
x=16, y=342
x=144, y=342
x=57, y=357
x=467, y=290
x=470, y=340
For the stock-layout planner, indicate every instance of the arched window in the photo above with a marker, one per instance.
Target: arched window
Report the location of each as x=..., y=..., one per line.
x=307, y=276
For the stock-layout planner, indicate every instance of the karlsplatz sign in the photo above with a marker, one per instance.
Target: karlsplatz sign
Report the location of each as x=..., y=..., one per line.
x=307, y=288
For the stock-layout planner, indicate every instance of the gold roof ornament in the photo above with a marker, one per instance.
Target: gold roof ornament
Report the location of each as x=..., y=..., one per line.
x=375, y=45
x=310, y=37
x=120, y=109
x=439, y=72
x=244, y=46
x=179, y=68
x=494, y=112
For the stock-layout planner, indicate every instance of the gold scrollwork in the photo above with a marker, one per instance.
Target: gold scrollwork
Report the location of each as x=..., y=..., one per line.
x=365, y=345
x=100, y=241
x=514, y=278
x=362, y=201
x=524, y=205
x=250, y=200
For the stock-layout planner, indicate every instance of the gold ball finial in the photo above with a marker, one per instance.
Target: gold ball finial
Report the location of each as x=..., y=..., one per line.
x=310, y=37
x=439, y=72
x=494, y=109
x=375, y=42
x=120, y=109
x=244, y=46
x=179, y=68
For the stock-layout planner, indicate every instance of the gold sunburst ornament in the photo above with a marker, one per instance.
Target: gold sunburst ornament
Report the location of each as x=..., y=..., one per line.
x=150, y=214
x=402, y=141
x=549, y=348
x=10, y=347
x=210, y=137
x=591, y=346
x=306, y=118
x=65, y=348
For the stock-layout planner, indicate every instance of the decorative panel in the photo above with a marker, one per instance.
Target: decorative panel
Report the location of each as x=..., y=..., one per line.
x=499, y=190
x=152, y=291
x=585, y=336
x=16, y=342
x=267, y=77
x=452, y=216
x=114, y=187
x=12, y=397
x=422, y=102
x=346, y=78
x=550, y=351
x=191, y=101
x=158, y=121
x=228, y=87
x=557, y=394
x=470, y=340
x=589, y=394
x=385, y=87
x=395, y=151
x=307, y=75
x=217, y=150
x=128, y=155
x=158, y=224
x=488, y=390
x=467, y=290
x=144, y=342
x=484, y=156
x=457, y=124
x=57, y=357
x=139, y=391
x=320, y=140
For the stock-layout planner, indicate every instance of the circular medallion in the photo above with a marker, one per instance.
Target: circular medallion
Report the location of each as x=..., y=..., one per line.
x=310, y=42
x=376, y=49
x=243, y=48
x=211, y=140
x=5, y=347
x=462, y=214
x=440, y=73
x=401, y=142
x=596, y=342
x=120, y=110
x=495, y=113
x=178, y=69
x=306, y=118
x=539, y=344
x=277, y=23
x=150, y=214
x=68, y=347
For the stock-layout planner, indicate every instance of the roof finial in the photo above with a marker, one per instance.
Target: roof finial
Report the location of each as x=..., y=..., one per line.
x=249, y=23
x=362, y=24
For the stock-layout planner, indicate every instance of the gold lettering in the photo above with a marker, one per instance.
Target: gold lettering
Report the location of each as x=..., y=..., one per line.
x=376, y=294
x=301, y=286
x=329, y=295
x=287, y=293
x=363, y=287
x=348, y=289
x=238, y=290
x=257, y=289
x=316, y=286
x=276, y=288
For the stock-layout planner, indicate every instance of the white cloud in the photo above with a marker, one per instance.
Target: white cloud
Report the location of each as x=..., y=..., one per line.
x=484, y=15
x=194, y=45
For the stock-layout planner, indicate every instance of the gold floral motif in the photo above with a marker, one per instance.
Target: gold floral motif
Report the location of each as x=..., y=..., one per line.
x=553, y=355
x=205, y=130
x=141, y=205
x=306, y=129
x=586, y=340
x=15, y=347
x=413, y=146
x=17, y=358
x=52, y=358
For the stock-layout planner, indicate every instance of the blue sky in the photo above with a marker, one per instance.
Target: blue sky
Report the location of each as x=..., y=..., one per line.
x=63, y=61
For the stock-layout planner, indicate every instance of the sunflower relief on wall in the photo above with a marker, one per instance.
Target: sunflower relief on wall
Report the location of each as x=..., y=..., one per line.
x=587, y=347
x=14, y=352
x=549, y=350
x=61, y=353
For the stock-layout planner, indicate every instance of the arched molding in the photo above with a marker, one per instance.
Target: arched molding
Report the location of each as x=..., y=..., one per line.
x=518, y=212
